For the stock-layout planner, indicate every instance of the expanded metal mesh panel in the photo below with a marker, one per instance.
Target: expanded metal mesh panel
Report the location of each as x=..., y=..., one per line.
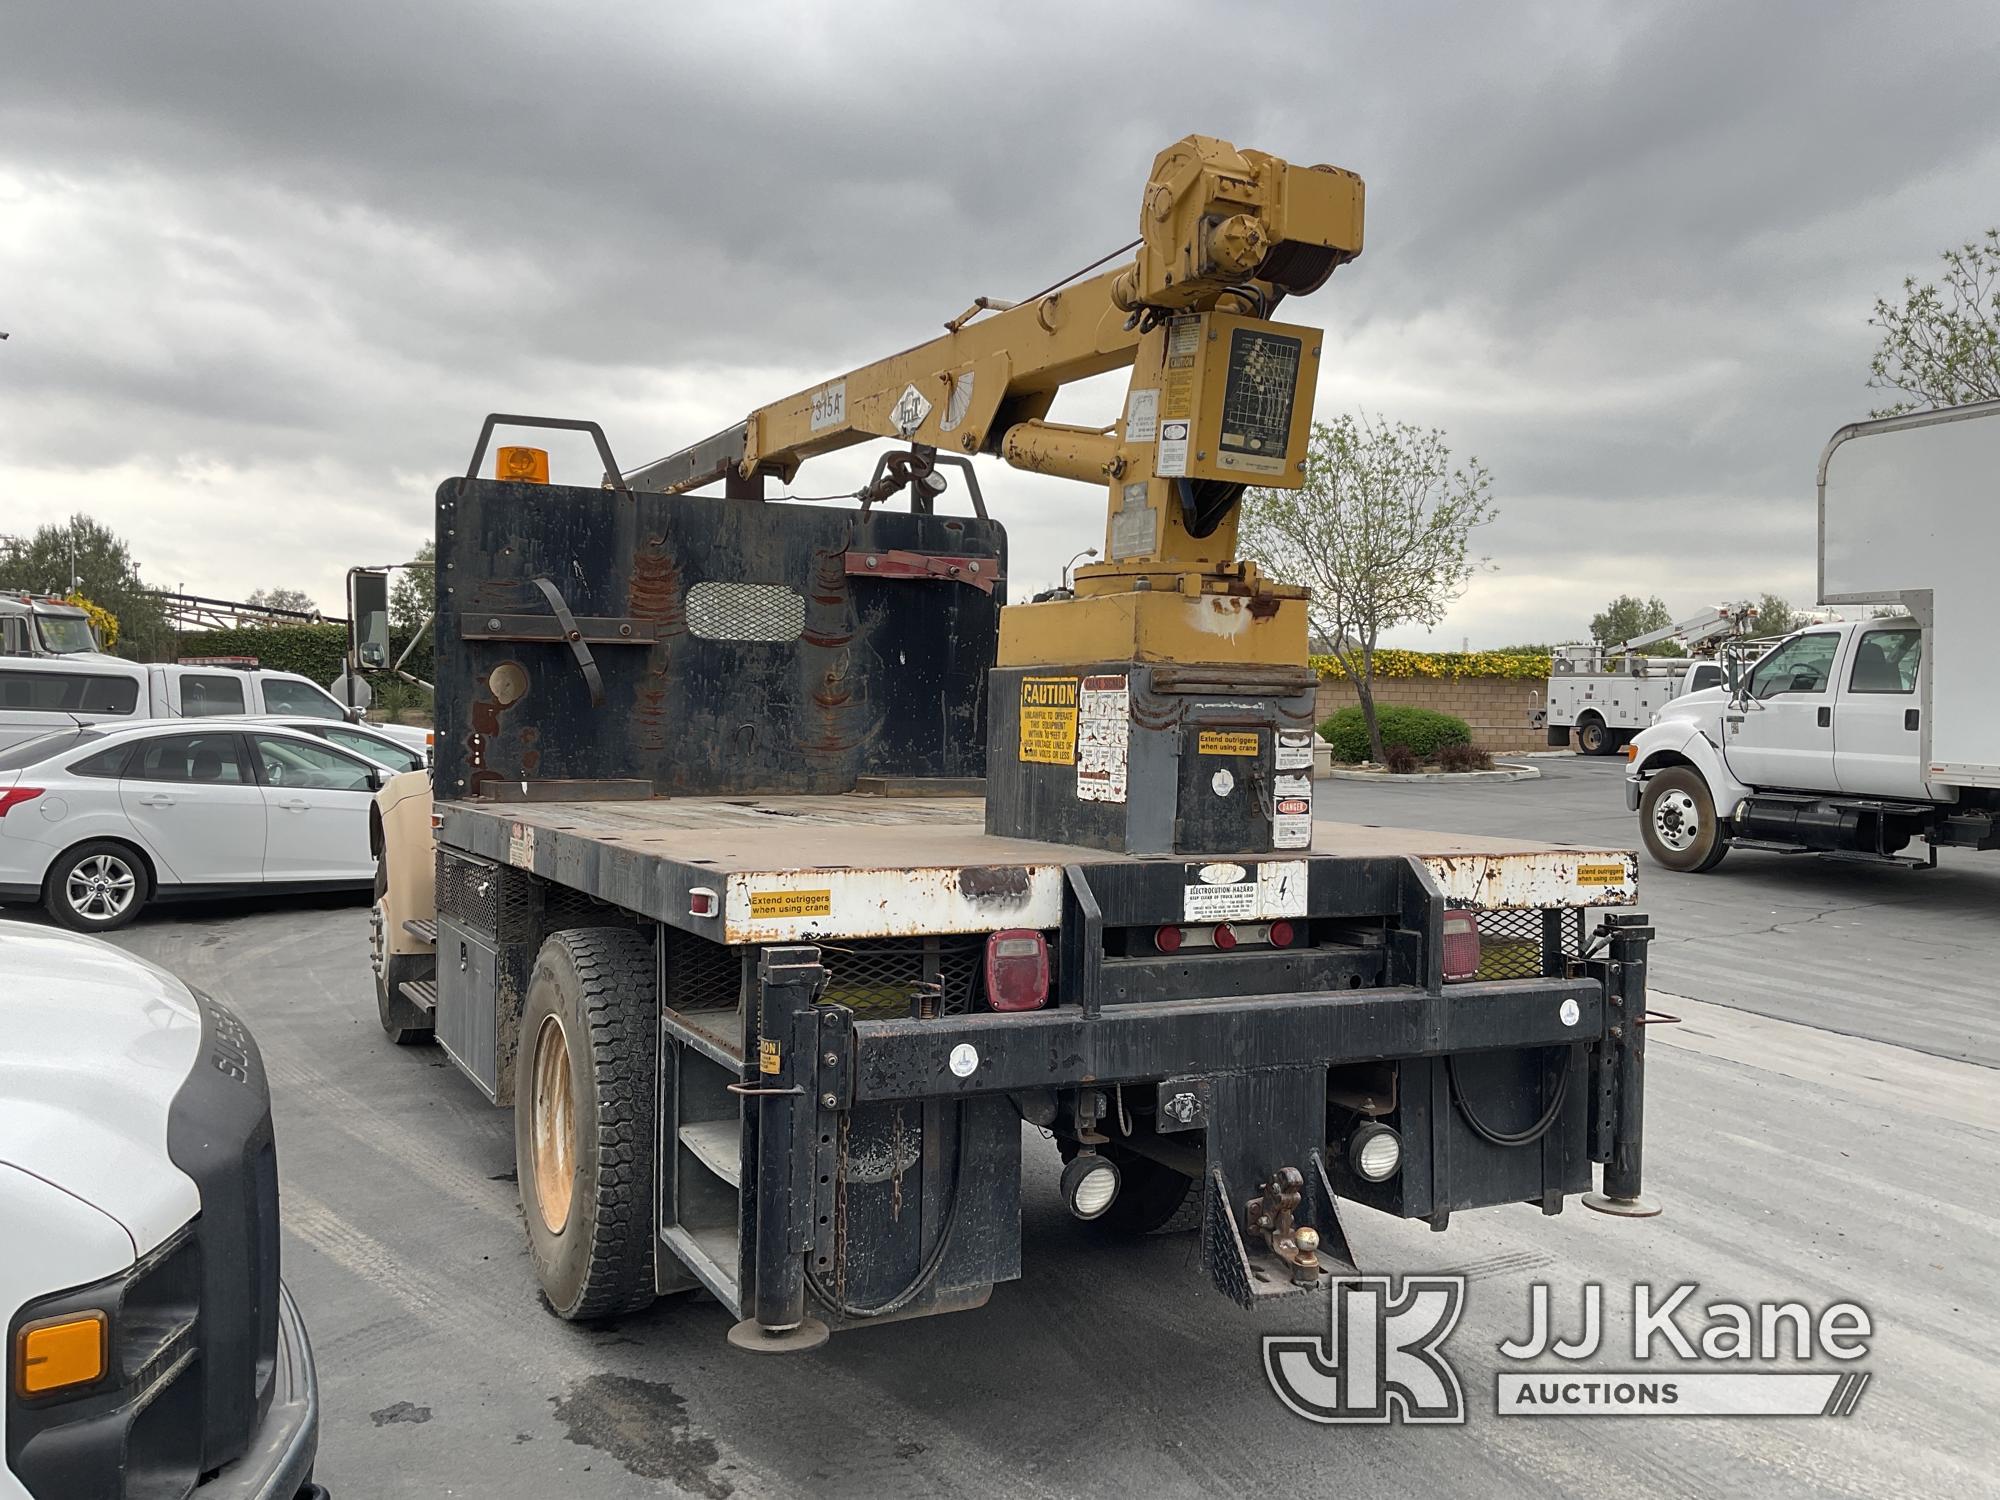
x=1513, y=944
x=467, y=890
x=702, y=975
x=745, y=612
x=886, y=976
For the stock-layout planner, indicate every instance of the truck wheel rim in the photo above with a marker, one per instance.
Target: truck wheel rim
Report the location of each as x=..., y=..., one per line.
x=100, y=887
x=1677, y=821
x=554, y=1127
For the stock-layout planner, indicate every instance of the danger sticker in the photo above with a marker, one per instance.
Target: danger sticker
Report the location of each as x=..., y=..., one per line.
x=1048, y=721
x=1600, y=874
x=521, y=846
x=770, y=905
x=1226, y=742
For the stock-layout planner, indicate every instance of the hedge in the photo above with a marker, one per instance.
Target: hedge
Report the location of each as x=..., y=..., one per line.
x=1390, y=662
x=315, y=651
x=1423, y=731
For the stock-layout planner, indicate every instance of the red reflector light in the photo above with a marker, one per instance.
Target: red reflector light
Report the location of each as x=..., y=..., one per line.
x=1281, y=934
x=1017, y=970
x=1167, y=939
x=1461, y=945
x=15, y=795
x=1224, y=938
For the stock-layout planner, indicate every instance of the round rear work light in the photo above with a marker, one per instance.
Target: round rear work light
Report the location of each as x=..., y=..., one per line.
x=1375, y=1152
x=1089, y=1184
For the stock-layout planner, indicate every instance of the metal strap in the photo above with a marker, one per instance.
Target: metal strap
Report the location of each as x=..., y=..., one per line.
x=572, y=634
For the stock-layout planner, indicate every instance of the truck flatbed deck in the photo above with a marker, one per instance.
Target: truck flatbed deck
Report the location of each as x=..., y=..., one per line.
x=790, y=867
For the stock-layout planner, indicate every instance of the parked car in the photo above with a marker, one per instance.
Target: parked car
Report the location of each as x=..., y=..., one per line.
x=41, y=693
x=374, y=741
x=97, y=821
x=152, y=1345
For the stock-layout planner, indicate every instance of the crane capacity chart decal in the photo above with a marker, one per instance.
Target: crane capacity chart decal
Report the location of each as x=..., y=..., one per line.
x=1048, y=721
x=1257, y=401
x=1103, y=731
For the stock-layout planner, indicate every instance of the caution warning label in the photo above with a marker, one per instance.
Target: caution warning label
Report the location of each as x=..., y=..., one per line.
x=769, y=904
x=1600, y=874
x=1226, y=742
x=1048, y=720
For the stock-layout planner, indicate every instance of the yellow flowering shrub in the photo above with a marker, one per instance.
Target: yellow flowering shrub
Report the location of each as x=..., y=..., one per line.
x=1390, y=662
x=102, y=618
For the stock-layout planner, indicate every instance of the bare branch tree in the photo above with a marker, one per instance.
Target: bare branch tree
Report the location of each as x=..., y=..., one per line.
x=1941, y=347
x=1381, y=533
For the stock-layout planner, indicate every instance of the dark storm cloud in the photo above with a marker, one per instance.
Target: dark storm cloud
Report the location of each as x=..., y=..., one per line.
x=1624, y=254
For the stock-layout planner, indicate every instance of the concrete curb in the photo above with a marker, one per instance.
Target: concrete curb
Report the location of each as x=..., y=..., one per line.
x=1502, y=771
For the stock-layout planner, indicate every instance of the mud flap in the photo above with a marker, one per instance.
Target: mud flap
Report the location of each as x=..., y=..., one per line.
x=1261, y=1124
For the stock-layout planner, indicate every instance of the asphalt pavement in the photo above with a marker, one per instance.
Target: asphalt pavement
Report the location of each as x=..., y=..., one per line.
x=1822, y=1127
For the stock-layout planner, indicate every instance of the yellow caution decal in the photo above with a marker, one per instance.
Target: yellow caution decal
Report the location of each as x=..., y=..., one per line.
x=774, y=904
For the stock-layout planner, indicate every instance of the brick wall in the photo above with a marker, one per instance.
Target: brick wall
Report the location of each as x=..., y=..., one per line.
x=1496, y=707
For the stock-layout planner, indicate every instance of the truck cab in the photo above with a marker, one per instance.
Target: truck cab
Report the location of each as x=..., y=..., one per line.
x=43, y=625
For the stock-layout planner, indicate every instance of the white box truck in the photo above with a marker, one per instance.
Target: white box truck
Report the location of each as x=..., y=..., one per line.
x=1857, y=739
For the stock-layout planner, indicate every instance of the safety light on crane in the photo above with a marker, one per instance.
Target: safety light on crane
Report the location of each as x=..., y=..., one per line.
x=522, y=465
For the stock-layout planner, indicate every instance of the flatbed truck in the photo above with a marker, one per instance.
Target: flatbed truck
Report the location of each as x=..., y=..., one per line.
x=782, y=877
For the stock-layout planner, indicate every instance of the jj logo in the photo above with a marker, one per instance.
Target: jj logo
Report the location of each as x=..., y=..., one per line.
x=1382, y=1359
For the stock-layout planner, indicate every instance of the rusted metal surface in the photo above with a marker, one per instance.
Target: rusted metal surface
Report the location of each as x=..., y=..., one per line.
x=797, y=868
x=861, y=676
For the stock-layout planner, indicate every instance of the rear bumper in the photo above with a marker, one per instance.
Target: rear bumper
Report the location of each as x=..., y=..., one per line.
x=279, y=1461
x=1064, y=1047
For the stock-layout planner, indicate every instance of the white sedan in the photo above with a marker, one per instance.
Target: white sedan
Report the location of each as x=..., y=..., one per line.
x=96, y=821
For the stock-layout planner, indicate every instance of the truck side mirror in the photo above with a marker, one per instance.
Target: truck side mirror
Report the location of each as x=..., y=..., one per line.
x=368, y=617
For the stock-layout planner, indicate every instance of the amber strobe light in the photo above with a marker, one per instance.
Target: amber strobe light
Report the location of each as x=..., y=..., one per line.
x=522, y=465
x=59, y=1353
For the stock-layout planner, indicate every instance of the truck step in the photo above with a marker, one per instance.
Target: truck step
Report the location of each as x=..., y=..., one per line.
x=422, y=993
x=423, y=931
x=712, y=1255
x=717, y=1145
x=716, y=1034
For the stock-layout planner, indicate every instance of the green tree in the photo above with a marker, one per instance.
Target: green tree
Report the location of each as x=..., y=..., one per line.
x=297, y=600
x=413, y=596
x=1627, y=616
x=1774, y=617
x=1381, y=532
x=98, y=564
x=1941, y=345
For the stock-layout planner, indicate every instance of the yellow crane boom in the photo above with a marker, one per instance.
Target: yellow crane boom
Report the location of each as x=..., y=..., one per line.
x=1224, y=236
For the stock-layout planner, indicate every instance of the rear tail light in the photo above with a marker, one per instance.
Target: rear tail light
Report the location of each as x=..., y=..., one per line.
x=1461, y=945
x=1017, y=970
x=1224, y=938
x=1281, y=934
x=16, y=795
x=1167, y=939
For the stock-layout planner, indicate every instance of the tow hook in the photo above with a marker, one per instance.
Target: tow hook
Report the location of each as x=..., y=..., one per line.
x=1270, y=1214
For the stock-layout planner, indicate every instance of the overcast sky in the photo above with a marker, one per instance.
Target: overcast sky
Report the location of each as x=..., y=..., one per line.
x=265, y=266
